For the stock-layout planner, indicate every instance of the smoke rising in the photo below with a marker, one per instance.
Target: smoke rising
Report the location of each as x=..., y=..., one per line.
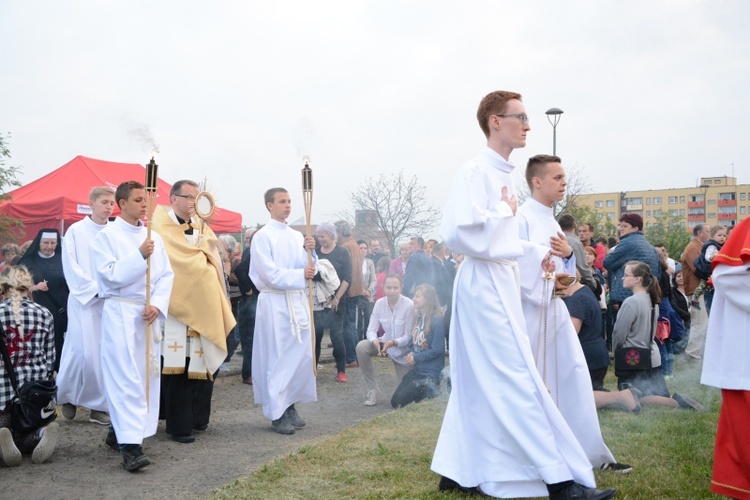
x=143, y=136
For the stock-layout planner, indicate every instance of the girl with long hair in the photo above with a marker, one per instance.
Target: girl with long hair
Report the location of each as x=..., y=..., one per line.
x=427, y=355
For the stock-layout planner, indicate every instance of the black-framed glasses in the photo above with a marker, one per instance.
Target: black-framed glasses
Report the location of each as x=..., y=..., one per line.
x=188, y=196
x=522, y=117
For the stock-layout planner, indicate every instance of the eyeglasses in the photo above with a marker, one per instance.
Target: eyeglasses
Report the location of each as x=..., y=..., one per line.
x=626, y=275
x=522, y=117
x=188, y=196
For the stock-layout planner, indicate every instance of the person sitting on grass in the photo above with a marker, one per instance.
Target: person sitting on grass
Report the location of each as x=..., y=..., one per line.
x=392, y=315
x=427, y=356
x=28, y=333
x=635, y=327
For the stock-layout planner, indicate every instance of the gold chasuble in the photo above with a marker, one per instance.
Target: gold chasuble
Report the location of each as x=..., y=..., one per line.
x=200, y=315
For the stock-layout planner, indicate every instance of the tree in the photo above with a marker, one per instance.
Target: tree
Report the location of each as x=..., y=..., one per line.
x=8, y=179
x=398, y=207
x=669, y=230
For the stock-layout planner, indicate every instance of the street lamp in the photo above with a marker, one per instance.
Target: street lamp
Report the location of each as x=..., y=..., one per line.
x=704, y=190
x=553, y=115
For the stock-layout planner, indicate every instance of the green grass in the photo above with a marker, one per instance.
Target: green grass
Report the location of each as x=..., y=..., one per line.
x=389, y=457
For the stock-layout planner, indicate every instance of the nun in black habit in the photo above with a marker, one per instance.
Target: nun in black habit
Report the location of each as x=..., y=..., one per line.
x=44, y=260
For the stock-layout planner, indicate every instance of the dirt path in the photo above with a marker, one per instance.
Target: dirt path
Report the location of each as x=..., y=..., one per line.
x=238, y=439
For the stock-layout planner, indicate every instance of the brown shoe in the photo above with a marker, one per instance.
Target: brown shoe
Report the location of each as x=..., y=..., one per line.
x=248, y=381
x=353, y=364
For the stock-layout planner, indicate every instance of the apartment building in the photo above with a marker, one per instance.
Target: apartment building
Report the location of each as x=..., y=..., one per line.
x=717, y=200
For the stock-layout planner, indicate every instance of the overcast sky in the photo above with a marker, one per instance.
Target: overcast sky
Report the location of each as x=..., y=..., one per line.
x=655, y=93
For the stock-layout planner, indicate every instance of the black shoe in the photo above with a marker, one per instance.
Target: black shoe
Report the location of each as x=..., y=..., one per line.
x=134, y=459
x=617, y=467
x=200, y=427
x=687, y=403
x=111, y=440
x=283, y=425
x=183, y=438
x=447, y=484
x=579, y=492
x=294, y=418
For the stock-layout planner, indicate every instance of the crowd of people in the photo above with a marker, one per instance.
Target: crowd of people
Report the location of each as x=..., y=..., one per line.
x=531, y=308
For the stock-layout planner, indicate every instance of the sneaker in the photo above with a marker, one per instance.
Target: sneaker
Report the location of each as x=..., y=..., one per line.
x=353, y=364
x=68, y=411
x=576, y=491
x=293, y=417
x=224, y=368
x=687, y=402
x=617, y=467
x=99, y=417
x=320, y=367
x=9, y=454
x=341, y=377
x=111, y=440
x=134, y=459
x=282, y=425
x=46, y=445
x=372, y=397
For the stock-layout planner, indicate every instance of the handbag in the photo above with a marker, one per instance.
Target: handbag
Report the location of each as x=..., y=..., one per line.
x=663, y=330
x=35, y=402
x=630, y=360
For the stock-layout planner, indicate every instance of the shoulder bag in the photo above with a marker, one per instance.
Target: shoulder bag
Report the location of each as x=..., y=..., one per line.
x=630, y=360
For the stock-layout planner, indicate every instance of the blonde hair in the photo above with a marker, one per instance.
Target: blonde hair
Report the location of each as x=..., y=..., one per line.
x=15, y=284
x=100, y=191
x=432, y=305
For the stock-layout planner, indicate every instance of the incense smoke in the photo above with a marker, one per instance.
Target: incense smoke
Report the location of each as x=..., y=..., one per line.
x=142, y=134
x=303, y=137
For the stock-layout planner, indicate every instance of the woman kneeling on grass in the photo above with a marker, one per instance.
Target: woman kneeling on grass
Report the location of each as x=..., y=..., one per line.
x=427, y=356
x=635, y=327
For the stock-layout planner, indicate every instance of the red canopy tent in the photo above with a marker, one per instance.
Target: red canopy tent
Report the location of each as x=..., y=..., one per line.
x=61, y=197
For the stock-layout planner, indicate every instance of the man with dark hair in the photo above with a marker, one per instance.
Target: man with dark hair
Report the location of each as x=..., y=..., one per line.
x=282, y=346
x=486, y=445
x=120, y=253
x=568, y=226
x=419, y=269
x=200, y=315
x=558, y=353
x=355, y=293
x=586, y=235
x=375, y=254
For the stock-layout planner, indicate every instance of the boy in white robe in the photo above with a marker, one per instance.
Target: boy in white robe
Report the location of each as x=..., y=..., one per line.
x=79, y=382
x=120, y=252
x=282, y=349
x=554, y=341
x=502, y=433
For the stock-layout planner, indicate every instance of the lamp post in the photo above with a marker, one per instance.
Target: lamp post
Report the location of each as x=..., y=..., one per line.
x=704, y=190
x=553, y=115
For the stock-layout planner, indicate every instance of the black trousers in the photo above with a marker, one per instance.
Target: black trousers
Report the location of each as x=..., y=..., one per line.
x=185, y=402
x=334, y=321
x=414, y=388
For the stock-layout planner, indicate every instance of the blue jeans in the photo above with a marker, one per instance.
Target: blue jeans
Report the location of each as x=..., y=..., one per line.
x=666, y=350
x=246, y=327
x=334, y=321
x=708, y=299
x=351, y=335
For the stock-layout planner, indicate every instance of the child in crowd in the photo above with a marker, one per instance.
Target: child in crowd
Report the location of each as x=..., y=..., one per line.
x=427, y=356
x=709, y=251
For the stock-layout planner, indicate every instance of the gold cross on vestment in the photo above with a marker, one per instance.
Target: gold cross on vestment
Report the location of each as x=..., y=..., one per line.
x=175, y=346
x=199, y=352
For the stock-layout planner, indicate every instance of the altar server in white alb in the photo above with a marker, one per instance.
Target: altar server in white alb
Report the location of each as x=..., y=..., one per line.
x=120, y=252
x=282, y=350
x=554, y=341
x=726, y=366
x=502, y=433
x=79, y=382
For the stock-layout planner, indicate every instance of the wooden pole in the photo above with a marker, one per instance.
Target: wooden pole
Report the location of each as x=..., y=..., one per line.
x=151, y=191
x=307, y=195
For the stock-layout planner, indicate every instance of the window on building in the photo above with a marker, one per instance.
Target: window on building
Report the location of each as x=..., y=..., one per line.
x=728, y=210
x=708, y=181
x=726, y=196
x=711, y=215
x=696, y=211
x=742, y=196
x=610, y=215
x=657, y=213
x=682, y=199
x=672, y=200
x=648, y=213
x=696, y=197
x=611, y=203
x=712, y=202
x=598, y=204
x=682, y=212
x=673, y=213
x=648, y=201
x=634, y=201
x=742, y=210
x=657, y=200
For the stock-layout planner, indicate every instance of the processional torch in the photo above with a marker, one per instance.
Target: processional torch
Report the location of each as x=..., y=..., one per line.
x=151, y=185
x=307, y=195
